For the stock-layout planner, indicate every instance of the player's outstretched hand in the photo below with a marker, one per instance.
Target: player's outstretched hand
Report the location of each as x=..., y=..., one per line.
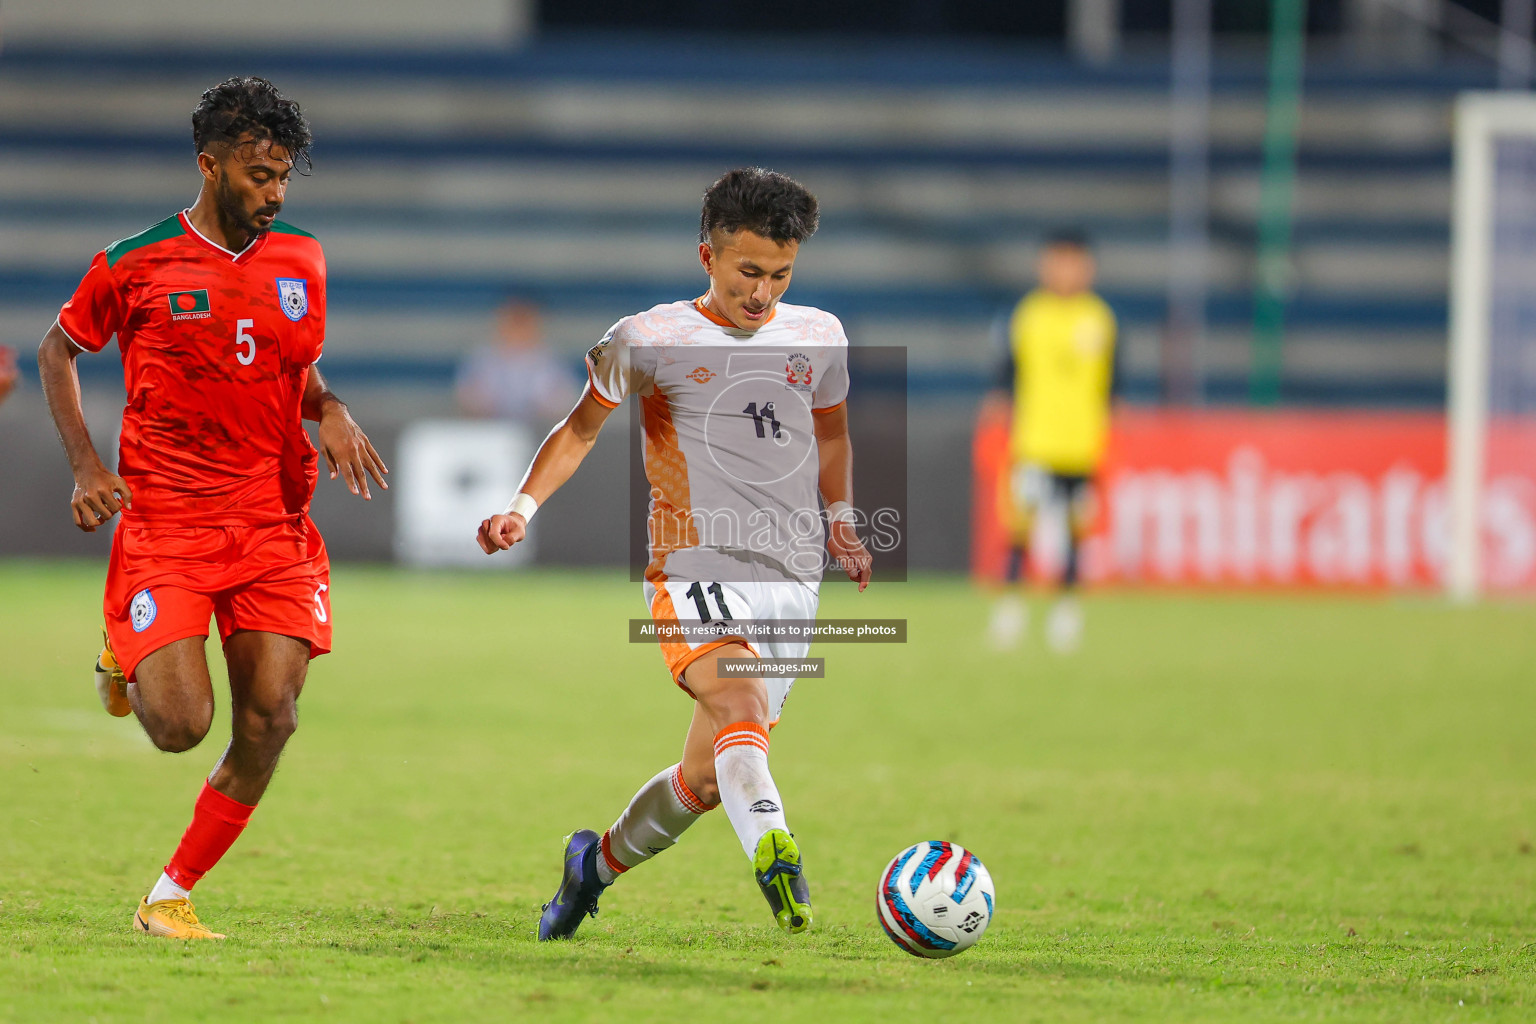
x=501, y=531
x=348, y=451
x=850, y=554
x=99, y=495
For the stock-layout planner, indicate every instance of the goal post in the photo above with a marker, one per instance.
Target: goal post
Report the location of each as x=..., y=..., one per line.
x=1492, y=351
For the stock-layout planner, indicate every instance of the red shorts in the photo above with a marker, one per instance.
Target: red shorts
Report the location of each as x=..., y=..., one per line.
x=163, y=585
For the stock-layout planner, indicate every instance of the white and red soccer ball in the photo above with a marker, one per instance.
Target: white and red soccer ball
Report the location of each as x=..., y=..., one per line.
x=935, y=899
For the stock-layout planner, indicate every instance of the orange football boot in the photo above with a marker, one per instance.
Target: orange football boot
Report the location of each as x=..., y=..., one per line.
x=111, y=684
x=171, y=919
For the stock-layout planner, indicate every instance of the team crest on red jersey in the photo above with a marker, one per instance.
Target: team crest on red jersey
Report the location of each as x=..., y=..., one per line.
x=797, y=372
x=293, y=297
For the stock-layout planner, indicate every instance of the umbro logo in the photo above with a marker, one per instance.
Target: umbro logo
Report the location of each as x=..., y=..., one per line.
x=701, y=375
x=764, y=807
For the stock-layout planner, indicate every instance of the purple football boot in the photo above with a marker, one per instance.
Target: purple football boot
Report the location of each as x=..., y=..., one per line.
x=579, y=888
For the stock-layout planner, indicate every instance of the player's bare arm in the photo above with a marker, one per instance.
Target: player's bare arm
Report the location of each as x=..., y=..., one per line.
x=557, y=459
x=99, y=493
x=346, y=448
x=8, y=372
x=835, y=451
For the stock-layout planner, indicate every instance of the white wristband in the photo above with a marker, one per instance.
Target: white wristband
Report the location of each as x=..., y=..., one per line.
x=523, y=505
x=841, y=511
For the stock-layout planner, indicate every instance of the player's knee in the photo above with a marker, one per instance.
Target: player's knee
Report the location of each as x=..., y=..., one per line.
x=180, y=733
x=708, y=793
x=699, y=778
x=742, y=701
x=268, y=727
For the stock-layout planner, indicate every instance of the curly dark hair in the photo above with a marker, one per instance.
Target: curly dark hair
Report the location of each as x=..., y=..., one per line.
x=246, y=106
x=763, y=202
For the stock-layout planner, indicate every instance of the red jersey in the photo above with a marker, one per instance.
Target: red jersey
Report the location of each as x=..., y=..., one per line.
x=216, y=352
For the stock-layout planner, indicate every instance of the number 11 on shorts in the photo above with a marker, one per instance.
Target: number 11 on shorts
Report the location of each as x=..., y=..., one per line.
x=697, y=593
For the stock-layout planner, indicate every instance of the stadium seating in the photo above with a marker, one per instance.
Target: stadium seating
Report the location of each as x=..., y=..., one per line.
x=571, y=173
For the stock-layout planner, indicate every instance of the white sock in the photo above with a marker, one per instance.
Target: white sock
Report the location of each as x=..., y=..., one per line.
x=165, y=889
x=747, y=792
x=654, y=820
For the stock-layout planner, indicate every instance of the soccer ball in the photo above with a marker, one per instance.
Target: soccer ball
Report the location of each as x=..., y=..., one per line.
x=935, y=899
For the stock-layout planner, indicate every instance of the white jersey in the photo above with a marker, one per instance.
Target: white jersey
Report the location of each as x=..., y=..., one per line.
x=730, y=441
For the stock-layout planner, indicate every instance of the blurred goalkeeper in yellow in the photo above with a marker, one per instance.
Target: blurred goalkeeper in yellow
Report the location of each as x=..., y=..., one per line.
x=1060, y=367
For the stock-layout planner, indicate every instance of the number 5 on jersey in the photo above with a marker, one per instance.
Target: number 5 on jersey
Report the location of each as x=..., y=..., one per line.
x=247, y=357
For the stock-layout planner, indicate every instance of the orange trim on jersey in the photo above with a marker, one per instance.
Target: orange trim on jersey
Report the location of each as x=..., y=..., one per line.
x=830, y=408
x=671, y=524
x=598, y=394
x=716, y=318
x=613, y=864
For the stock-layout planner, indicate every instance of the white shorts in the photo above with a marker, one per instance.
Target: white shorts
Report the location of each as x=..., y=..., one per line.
x=695, y=603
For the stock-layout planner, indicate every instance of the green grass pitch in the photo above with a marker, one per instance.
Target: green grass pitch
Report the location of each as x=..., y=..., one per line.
x=1224, y=808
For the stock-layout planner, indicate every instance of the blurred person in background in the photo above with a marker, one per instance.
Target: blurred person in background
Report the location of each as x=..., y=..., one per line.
x=1059, y=366
x=516, y=378
x=8, y=372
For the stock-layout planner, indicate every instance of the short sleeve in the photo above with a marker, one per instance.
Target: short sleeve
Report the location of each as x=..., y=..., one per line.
x=612, y=366
x=95, y=312
x=832, y=389
x=317, y=304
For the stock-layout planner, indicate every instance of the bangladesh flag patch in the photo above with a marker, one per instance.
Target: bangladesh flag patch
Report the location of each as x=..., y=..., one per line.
x=191, y=305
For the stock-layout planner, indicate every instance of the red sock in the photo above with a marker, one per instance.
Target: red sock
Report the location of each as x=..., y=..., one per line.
x=217, y=821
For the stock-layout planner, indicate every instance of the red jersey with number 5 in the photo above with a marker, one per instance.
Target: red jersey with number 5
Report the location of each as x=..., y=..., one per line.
x=216, y=351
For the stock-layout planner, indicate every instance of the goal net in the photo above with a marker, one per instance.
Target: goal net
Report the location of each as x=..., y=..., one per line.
x=1491, y=449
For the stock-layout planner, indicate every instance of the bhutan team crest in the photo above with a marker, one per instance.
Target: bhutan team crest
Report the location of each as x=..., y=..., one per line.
x=293, y=296
x=797, y=372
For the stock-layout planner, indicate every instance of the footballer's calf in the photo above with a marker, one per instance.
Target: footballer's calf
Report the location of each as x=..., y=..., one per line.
x=172, y=695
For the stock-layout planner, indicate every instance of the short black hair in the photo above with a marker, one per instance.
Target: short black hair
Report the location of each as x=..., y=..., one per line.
x=761, y=201
x=1069, y=238
x=248, y=106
